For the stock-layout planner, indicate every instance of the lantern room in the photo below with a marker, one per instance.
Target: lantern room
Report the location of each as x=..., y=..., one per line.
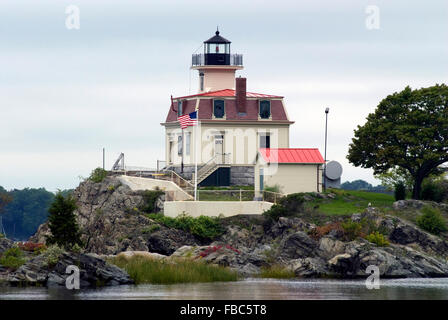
x=217, y=50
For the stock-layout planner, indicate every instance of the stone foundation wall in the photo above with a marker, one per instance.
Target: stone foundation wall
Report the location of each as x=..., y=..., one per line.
x=242, y=175
x=239, y=175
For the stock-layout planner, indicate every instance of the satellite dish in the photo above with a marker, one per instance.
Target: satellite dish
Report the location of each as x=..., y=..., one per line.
x=333, y=170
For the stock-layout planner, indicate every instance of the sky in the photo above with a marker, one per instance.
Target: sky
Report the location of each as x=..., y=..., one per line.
x=67, y=93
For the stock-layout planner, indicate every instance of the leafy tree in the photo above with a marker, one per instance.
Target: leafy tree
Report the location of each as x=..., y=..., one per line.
x=5, y=198
x=400, y=191
x=62, y=222
x=27, y=210
x=396, y=175
x=356, y=185
x=363, y=185
x=98, y=175
x=408, y=130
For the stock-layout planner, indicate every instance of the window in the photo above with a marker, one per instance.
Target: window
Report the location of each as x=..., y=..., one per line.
x=201, y=81
x=187, y=144
x=179, y=145
x=218, y=108
x=265, y=109
x=265, y=140
x=179, y=108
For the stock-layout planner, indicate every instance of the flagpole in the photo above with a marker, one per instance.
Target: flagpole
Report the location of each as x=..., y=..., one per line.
x=196, y=161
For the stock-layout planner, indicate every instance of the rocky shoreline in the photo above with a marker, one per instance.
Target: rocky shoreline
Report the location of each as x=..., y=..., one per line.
x=111, y=224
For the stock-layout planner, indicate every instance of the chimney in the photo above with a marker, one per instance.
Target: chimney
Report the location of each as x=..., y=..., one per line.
x=240, y=94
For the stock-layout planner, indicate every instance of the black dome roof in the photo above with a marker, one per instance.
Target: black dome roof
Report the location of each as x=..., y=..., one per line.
x=217, y=39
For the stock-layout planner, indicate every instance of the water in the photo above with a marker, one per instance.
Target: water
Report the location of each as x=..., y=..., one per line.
x=250, y=289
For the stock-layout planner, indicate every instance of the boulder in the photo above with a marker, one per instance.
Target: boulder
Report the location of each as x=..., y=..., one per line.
x=142, y=254
x=406, y=233
x=308, y=267
x=298, y=245
x=93, y=272
x=393, y=262
x=330, y=247
x=248, y=270
x=5, y=244
x=408, y=204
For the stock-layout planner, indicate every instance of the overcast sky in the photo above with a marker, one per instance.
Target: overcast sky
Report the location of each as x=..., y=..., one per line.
x=66, y=94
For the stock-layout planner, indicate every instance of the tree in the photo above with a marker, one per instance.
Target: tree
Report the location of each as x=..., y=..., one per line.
x=5, y=198
x=396, y=175
x=408, y=130
x=356, y=185
x=62, y=222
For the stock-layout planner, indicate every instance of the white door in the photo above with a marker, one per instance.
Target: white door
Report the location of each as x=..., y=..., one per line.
x=219, y=148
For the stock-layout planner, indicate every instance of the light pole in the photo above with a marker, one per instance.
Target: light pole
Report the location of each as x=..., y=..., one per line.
x=325, y=152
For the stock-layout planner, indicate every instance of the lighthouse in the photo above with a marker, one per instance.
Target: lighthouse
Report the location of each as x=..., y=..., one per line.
x=217, y=65
x=241, y=133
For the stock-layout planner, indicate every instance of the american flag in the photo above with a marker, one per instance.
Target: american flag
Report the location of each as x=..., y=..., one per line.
x=190, y=119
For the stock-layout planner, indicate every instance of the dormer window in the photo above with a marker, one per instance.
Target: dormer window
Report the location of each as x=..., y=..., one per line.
x=218, y=108
x=265, y=109
x=179, y=108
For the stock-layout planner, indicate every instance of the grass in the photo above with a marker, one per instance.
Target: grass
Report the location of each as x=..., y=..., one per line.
x=12, y=258
x=348, y=202
x=225, y=195
x=145, y=270
x=203, y=227
x=276, y=272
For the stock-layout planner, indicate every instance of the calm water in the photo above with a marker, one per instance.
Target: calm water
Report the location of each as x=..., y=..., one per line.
x=250, y=289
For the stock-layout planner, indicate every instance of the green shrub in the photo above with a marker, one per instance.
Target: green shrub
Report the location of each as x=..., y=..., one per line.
x=52, y=255
x=150, y=229
x=431, y=220
x=275, y=212
x=288, y=206
x=12, y=258
x=378, y=239
x=2, y=236
x=352, y=229
x=274, y=188
x=98, y=175
x=433, y=191
x=203, y=227
x=400, y=191
x=145, y=270
x=149, y=200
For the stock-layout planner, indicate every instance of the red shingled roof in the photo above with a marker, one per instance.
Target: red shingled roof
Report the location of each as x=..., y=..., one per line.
x=228, y=93
x=278, y=112
x=291, y=155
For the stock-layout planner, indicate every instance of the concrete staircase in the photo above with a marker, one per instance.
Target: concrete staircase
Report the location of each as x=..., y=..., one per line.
x=218, y=161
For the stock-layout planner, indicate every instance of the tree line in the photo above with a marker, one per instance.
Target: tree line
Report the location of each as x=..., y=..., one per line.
x=23, y=211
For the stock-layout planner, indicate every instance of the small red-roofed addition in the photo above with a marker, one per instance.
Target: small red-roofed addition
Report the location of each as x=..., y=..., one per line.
x=292, y=155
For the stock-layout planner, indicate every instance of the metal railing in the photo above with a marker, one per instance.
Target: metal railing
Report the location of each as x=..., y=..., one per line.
x=198, y=59
x=229, y=195
x=211, y=165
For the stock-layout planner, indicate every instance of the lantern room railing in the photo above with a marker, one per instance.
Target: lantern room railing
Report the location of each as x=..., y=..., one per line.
x=199, y=59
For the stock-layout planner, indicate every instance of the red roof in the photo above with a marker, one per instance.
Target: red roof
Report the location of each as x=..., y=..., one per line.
x=291, y=155
x=205, y=107
x=229, y=93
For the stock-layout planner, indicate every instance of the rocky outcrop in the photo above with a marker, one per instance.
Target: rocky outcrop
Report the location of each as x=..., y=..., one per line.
x=110, y=221
x=94, y=272
x=5, y=244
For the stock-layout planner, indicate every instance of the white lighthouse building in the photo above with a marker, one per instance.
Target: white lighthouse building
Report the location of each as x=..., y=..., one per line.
x=240, y=133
